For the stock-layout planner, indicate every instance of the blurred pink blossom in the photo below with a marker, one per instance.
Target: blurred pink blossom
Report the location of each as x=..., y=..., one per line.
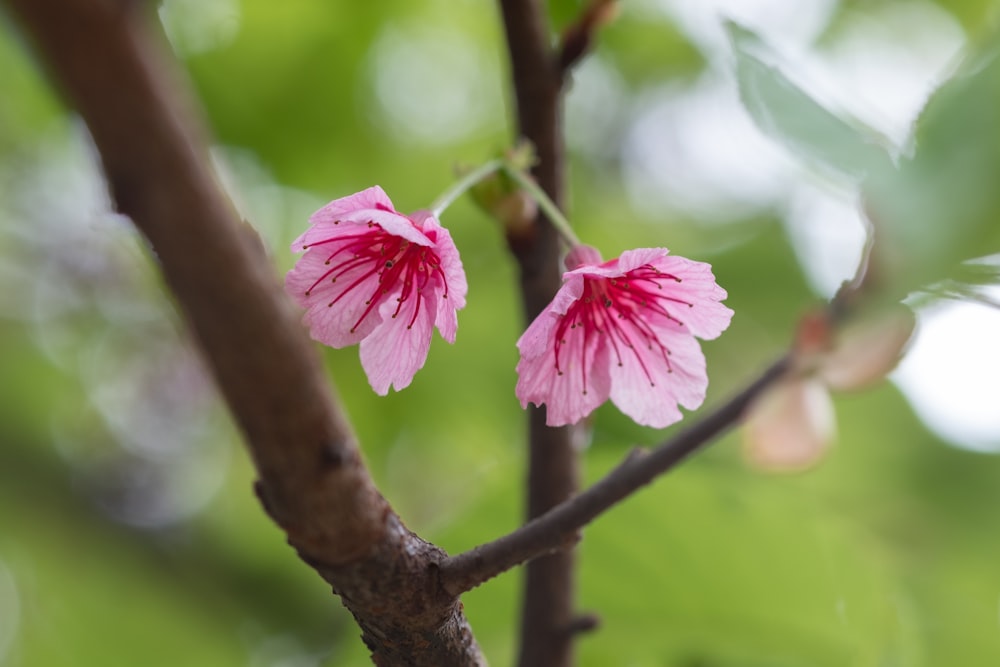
x=373, y=276
x=790, y=426
x=625, y=330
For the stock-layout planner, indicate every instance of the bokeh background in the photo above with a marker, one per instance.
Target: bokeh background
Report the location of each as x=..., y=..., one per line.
x=129, y=534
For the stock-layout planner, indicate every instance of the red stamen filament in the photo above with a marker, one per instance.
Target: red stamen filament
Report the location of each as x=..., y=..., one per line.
x=396, y=262
x=614, y=308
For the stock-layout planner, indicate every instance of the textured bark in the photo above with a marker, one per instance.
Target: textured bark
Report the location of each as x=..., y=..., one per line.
x=113, y=69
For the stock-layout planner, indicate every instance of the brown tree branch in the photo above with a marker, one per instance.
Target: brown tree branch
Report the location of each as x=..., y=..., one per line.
x=559, y=527
x=578, y=37
x=114, y=71
x=549, y=588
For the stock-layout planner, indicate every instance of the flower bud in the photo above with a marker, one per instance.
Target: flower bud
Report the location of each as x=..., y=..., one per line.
x=865, y=350
x=503, y=199
x=790, y=426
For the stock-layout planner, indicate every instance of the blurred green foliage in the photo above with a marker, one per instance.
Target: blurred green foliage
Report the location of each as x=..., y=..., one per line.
x=941, y=208
x=789, y=115
x=129, y=533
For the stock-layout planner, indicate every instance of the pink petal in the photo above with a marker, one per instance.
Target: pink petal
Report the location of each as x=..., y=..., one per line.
x=328, y=324
x=448, y=298
x=393, y=353
x=447, y=304
x=582, y=255
x=371, y=198
x=451, y=262
x=689, y=376
x=568, y=294
x=396, y=224
x=608, y=269
x=706, y=318
x=652, y=399
x=446, y=320
x=633, y=259
x=584, y=382
x=538, y=338
x=324, y=233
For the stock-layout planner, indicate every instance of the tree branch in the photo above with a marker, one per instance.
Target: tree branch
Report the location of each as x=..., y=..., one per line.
x=559, y=527
x=578, y=37
x=114, y=70
x=549, y=588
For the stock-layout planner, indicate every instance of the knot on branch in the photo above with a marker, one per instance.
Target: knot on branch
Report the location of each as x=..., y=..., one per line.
x=583, y=623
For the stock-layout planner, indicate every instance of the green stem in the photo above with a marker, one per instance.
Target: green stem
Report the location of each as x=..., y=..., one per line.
x=463, y=184
x=551, y=211
x=523, y=181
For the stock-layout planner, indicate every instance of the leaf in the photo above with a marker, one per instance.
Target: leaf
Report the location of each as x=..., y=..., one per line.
x=942, y=206
x=792, y=117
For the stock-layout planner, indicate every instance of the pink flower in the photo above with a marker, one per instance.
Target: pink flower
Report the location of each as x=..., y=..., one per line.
x=624, y=330
x=373, y=276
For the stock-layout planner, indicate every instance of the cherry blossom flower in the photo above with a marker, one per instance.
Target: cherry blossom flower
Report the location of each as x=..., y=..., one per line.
x=373, y=276
x=625, y=330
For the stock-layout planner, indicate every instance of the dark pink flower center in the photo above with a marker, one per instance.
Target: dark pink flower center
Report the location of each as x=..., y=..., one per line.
x=618, y=312
x=388, y=263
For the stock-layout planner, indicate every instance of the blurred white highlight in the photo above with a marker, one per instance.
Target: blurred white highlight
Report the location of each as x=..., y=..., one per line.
x=951, y=374
x=416, y=101
x=693, y=149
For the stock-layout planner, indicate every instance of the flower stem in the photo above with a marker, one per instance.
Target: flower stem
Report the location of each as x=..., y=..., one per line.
x=467, y=181
x=552, y=211
x=506, y=165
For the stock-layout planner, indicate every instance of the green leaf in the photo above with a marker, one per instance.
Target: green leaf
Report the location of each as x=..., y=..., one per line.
x=789, y=115
x=942, y=206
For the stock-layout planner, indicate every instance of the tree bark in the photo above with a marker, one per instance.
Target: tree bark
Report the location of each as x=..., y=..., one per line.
x=549, y=589
x=115, y=71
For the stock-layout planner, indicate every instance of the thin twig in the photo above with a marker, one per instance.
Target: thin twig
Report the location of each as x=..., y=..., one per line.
x=578, y=37
x=560, y=525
